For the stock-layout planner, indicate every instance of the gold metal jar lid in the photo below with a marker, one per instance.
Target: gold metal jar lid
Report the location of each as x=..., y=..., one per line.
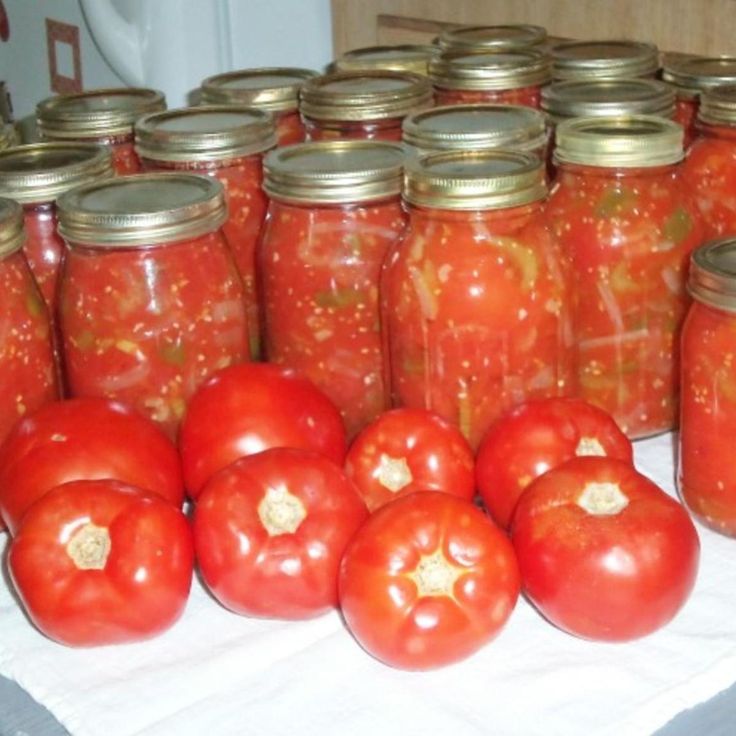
x=369, y=95
x=629, y=142
x=97, y=112
x=718, y=106
x=492, y=38
x=712, y=276
x=476, y=127
x=334, y=172
x=608, y=97
x=275, y=89
x=693, y=74
x=207, y=133
x=406, y=58
x=41, y=172
x=12, y=233
x=142, y=210
x=490, y=70
x=584, y=60
x=474, y=180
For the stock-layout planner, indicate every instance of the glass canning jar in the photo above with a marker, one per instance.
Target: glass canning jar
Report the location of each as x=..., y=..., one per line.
x=706, y=479
x=689, y=76
x=27, y=368
x=362, y=105
x=475, y=296
x=272, y=89
x=619, y=208
x=102, y=116
x=476, y=128
x=150, y=301
x=710, y=167
x=609, y=59
x=36, y=175
x=492, y=38
x=335, y=210
x=404, y=58
x=228, y=143
x=513, y=77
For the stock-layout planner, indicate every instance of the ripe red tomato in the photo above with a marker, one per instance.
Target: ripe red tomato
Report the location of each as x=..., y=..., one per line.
x=251, y=407
x=427, y=581
x=270, y=529
x=407, y=450
x=533, y=438
x=101, y=562
x=84, y=439
x=604, y=553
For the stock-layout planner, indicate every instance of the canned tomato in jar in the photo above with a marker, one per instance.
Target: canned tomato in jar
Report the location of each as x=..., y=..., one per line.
x=362, y=105
x=102, y=116
x=689, y=76
x=150, y=302
x=28, y=376
x=514, y=77
x=619, y=209
x=335, y=211
x=476, y=294
x=37, y=175
x=226, y=142
x=272, y=89
x=706, y=480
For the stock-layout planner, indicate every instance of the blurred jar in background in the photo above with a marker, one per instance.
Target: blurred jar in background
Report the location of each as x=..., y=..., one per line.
x=362, y=105
x=272, y=89
x=102, y=116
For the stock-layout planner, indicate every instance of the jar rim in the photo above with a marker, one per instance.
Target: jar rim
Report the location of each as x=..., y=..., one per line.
x=12, y=231
x=712, y=274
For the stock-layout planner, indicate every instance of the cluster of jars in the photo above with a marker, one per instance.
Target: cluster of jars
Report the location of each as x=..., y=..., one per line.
x=529, y=236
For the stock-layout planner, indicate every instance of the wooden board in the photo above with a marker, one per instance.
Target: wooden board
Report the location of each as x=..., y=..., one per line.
x=688, y=26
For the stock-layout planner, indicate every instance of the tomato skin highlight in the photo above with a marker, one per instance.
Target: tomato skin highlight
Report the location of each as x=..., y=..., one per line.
x=611, y=576
x=457, y=545
x=248, y=408
x=144, y=584
x=535, y=437
x=84, y=439
x=279, y=574
x=431, y=455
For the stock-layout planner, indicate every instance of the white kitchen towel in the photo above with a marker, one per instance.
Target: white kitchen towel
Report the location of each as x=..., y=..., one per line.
x=219, y=673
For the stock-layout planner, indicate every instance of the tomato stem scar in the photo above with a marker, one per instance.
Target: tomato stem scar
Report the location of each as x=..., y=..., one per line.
x=393, y=473
x=281, y=512
x=602, y=499
x=434, y=575
x=89, y=547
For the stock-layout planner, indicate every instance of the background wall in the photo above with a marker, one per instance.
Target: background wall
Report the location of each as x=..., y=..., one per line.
x=180, y=42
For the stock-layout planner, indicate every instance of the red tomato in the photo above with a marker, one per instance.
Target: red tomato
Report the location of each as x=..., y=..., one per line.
x=427, y=581
x=84, y=439
x=248, y=408
x=270, y=529
x=101, y=562
x=535, y=437
x=407, y=450
x=604, y=553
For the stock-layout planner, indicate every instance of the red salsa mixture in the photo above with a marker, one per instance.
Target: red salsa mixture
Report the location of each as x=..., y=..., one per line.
x=147, y=326
x=476, y=313
x=320, y=270
x=630, y=233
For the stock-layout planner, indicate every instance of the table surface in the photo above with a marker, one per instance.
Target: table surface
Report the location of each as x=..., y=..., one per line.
x=216, y=670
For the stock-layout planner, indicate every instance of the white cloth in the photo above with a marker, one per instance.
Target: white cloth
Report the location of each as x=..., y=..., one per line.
x=224, y=674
